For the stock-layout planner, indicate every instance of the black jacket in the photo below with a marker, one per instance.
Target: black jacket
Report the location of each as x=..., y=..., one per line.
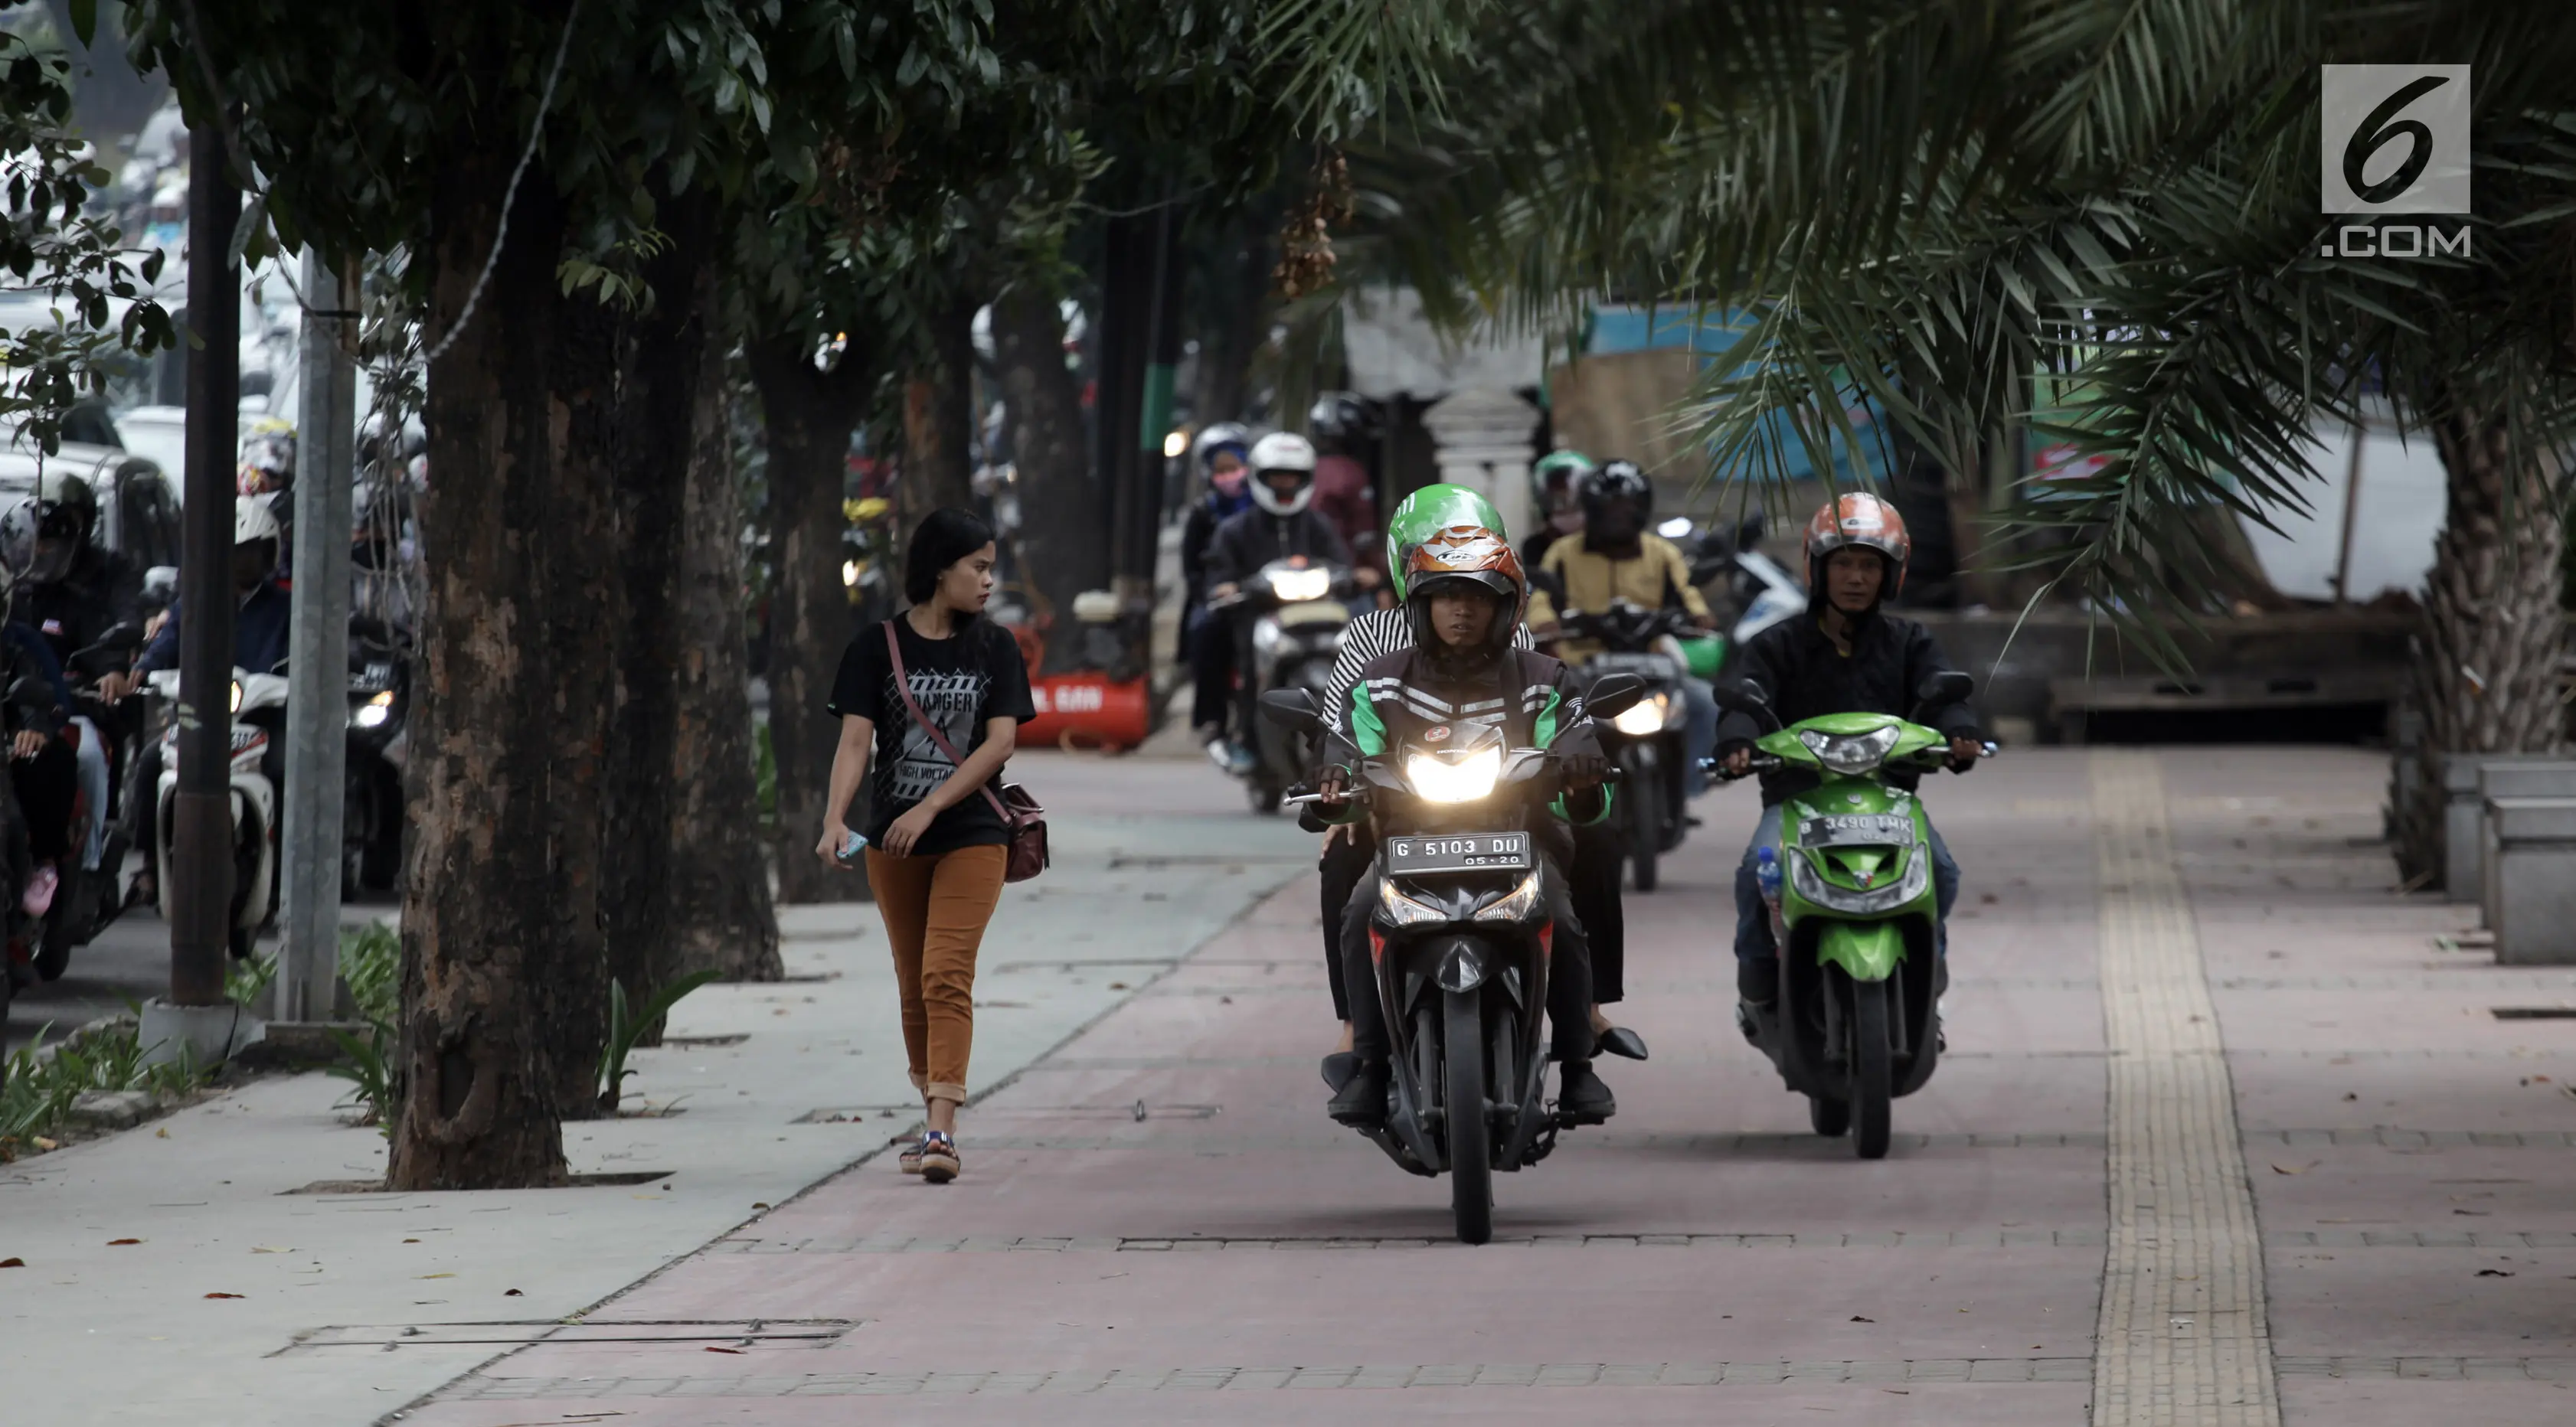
x=100, y=591
x=1805, y=676
x=1254, y=538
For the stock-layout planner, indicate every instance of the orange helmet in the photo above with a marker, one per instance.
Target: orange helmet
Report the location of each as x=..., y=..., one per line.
x=1858, y=519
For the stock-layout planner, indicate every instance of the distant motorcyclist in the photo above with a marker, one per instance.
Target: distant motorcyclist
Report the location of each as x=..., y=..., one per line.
x=1556, y=490
x=260, y=629
x=43, y=773
x=1845, y=655
x=1340, y=422
x=82, y=598
x=1281, y=523
x=1617, y=558
x=1207, y=639
x=1465, y=592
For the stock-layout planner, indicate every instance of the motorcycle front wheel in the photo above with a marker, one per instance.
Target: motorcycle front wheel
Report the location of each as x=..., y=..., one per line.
x=1471, y=1151
x=1871, y=1081
x=1831, y=1118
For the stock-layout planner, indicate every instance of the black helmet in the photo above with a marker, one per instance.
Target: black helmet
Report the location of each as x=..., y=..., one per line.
x=1617, y=480
x=66, y=511
x=1339, y=416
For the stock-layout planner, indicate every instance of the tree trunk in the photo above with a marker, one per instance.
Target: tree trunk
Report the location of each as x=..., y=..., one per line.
x=721, y=917
x=1234, y=308
x=2486, y=660
x=662, y=365
x=809, y=415
x=939, y=419
x=1060, y=549
x=480, y=923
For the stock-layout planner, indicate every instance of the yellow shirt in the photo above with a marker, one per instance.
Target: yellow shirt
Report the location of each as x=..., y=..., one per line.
x=1592, y=580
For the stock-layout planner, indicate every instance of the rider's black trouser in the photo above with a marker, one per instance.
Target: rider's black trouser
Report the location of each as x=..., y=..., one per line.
x=1345, y=861
x=1211, y=640
x=47, y=785
x=1592, y=885
x=1569, y=980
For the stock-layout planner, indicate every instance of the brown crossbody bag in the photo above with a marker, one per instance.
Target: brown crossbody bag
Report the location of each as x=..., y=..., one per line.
x=1020, y=814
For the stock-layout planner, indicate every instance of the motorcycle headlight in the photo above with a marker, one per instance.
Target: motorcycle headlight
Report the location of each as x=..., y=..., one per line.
x=1436, y=780
x=236, y=696
x=374, y=712
x=1643, y=717
x=1852, y=755
x=1296, y=586
x=1516, y=907
x=1402, y=910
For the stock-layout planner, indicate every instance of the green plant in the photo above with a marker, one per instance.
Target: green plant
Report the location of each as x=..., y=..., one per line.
x=625, y=1027
x=371, y=963
x=43, y=1082
x=247, y=978
x=370, y=1073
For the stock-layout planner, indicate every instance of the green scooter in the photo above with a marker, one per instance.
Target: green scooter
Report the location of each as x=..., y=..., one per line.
x=1853, y=909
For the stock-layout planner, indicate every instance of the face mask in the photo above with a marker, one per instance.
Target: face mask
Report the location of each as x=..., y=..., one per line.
x=1228, y=483
x=1565, y=522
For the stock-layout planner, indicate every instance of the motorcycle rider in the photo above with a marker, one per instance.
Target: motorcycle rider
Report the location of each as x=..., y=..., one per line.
x=1556, y=488
x=260, y=627
x=1465, y=592
x=1208, y=638
x=1617, y=557
x=1340, y=421
x=43, y=773
x=1846, y=655
x=1280, y=524
x=76, y=593
x=1593, y=877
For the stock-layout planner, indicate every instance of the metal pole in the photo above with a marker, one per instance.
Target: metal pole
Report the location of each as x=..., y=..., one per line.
x=201, y=856
x=317, y=694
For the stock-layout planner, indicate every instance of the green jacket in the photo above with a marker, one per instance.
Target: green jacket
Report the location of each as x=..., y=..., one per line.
x=1399, y=699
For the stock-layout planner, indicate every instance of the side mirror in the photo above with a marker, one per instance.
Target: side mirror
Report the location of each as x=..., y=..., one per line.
x=1293, y=708
x=1749, y=530
x=1551, y=582
x=1947, y=687
x=1613, y=694
x=1743, y=696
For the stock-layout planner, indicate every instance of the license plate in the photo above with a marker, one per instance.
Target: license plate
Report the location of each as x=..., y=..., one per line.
x=1458, y=852
x=1652, y=666
x=1865, y=829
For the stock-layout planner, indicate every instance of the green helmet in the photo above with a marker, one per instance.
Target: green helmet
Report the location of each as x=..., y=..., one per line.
x=1428, y=511
x=1556, y=478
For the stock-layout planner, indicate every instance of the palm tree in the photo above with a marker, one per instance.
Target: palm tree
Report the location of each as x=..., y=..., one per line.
x=1931, y=201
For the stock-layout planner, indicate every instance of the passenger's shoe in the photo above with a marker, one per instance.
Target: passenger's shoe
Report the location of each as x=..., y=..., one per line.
x=1581, y=1098
x=939, y=1162
x=1239, y=760
x=1338, y=1069
x=1622, y=1042
x=910, y=1160
x=1361, y=1102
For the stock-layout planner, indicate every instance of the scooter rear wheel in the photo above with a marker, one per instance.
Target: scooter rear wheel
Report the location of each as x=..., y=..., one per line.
x=1471, y=1149
x=1871, y=1088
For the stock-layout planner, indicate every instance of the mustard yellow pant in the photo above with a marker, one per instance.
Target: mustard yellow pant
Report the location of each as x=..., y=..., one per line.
x=935, y=909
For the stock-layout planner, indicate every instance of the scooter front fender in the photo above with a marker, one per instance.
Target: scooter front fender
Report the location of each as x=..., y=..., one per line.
x=1866, y=951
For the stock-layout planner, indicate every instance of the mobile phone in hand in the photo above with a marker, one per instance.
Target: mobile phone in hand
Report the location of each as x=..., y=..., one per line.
x=851, y=846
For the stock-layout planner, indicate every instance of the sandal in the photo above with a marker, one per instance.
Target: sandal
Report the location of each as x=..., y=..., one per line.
x=909, y=1161
x=939, y=1163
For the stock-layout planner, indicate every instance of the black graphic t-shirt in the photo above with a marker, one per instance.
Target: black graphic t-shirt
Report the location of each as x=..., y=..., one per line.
x=960, y=683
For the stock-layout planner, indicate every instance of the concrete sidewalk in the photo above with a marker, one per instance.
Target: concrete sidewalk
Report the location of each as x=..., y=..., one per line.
x=773, y=1087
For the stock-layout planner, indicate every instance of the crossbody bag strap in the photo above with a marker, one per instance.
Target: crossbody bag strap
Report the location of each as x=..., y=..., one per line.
x=903, y=686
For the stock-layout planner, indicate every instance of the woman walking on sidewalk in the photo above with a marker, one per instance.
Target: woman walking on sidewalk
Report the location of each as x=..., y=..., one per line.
x=930, y=686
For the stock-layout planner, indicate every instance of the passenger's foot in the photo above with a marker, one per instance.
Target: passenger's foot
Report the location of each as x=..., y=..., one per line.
x=38, y=899
x=1338, y=1069
x=1239, y=760
x=910, y=1160
x=939, y=1163
x=143, y=891
x=1581, y=1098
x=1361, y=1102
x=1622, y=1042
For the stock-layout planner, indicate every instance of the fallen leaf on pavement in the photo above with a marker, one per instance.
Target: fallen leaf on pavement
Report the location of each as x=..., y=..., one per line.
x=1859, y=1319
x=13, y=1263
x=438, y=1275
x=757, y=1205
x=2493, y=1273
x=2302, y=1169
x=45, y=1144
x=162, y=1133
x=117, y=1243
x=514, y=1293
x=223, y=1295
x=411, y=1241
x=265, y=1249
x=737, y=1352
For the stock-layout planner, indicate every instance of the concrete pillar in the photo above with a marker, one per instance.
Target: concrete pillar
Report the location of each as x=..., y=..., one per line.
x=1482, y=438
